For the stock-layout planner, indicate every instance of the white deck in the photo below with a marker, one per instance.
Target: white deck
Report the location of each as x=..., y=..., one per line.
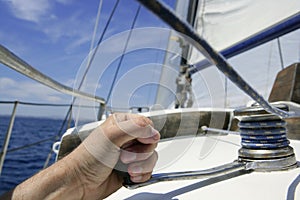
x=202, y=153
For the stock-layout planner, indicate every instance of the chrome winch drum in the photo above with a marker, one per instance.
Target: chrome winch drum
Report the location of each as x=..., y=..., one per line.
x=263, y=139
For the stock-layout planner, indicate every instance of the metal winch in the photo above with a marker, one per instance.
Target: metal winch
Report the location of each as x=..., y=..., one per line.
x=263, y=139
x=264, y=142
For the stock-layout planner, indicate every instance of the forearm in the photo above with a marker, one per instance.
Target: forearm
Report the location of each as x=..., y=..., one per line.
x=77, y=176
x=87, y=172
x=57, y=181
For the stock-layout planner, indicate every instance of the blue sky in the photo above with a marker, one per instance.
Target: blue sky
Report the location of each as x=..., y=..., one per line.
x=54, y=36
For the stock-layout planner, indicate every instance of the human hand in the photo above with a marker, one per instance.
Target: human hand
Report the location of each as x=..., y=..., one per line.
x=128, y=138
x=87, y=172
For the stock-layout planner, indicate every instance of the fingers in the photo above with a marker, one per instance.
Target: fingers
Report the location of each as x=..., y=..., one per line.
x=137, y=139
x=141, y=171
x=143, y=121
x=137, y=152
x=140, y=159
x=136, y=126
x=124, y=127
x=154, y=138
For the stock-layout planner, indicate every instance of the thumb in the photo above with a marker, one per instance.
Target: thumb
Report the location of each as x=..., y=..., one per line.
x=101, y=148
x=125, y=127
x=139, y=128
x=105, y=141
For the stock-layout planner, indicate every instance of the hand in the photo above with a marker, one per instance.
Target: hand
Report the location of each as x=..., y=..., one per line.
x=87, y=172
x=128, y=137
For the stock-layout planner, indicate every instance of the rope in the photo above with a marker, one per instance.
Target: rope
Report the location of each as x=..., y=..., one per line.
x=221, y=131
x=268, y=134
x=123, y=54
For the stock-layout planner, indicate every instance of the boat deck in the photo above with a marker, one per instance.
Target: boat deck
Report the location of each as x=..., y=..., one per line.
x=206, y=152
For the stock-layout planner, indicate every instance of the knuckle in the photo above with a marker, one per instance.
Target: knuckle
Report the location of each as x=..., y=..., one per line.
x=141, y=121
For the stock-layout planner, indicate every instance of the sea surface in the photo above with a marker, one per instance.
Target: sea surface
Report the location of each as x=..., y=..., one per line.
x=22, y=164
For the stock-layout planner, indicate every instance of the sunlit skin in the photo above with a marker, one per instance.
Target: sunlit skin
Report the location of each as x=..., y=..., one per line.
x=87, y=172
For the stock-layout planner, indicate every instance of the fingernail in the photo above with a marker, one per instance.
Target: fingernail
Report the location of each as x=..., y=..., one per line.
x=156, y=134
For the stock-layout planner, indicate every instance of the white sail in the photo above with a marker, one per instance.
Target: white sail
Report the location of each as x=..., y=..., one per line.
x=224, y=23
x=167, y=88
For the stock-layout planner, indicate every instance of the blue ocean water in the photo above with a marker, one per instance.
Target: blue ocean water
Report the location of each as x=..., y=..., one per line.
x=22, y=164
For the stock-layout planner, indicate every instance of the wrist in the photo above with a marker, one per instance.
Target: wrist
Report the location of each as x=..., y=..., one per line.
x=90, y=173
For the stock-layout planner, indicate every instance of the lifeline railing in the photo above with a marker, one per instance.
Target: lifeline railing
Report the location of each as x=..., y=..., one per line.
x=66, y=124
x=11, y=60
x=5, y=149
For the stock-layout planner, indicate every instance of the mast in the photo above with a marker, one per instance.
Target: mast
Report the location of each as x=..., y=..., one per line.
x=191, y=18
x=165, y=96
x=184, y=94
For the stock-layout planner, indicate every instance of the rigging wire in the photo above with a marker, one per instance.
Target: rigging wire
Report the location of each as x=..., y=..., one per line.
x=202, y=7
x=58, y=135
x=53, y=138
x=168, y=16
x=91, y=58
x=157, y=58
x=268, y=69
x=29, y=145
x=57, y=105
x=34, y=104
x=157, y=55
x=68, y=115
x=123, y=53
x=280, y=53
x=97, y=46
x=95, y=30
x=226, y=92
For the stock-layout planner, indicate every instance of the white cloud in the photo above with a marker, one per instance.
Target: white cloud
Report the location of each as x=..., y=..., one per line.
x=77, y=29
x=29, y=91
x=30, y=10
x=73, y=30
x=33, y=91
x=82, y=39
x=6, y=82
